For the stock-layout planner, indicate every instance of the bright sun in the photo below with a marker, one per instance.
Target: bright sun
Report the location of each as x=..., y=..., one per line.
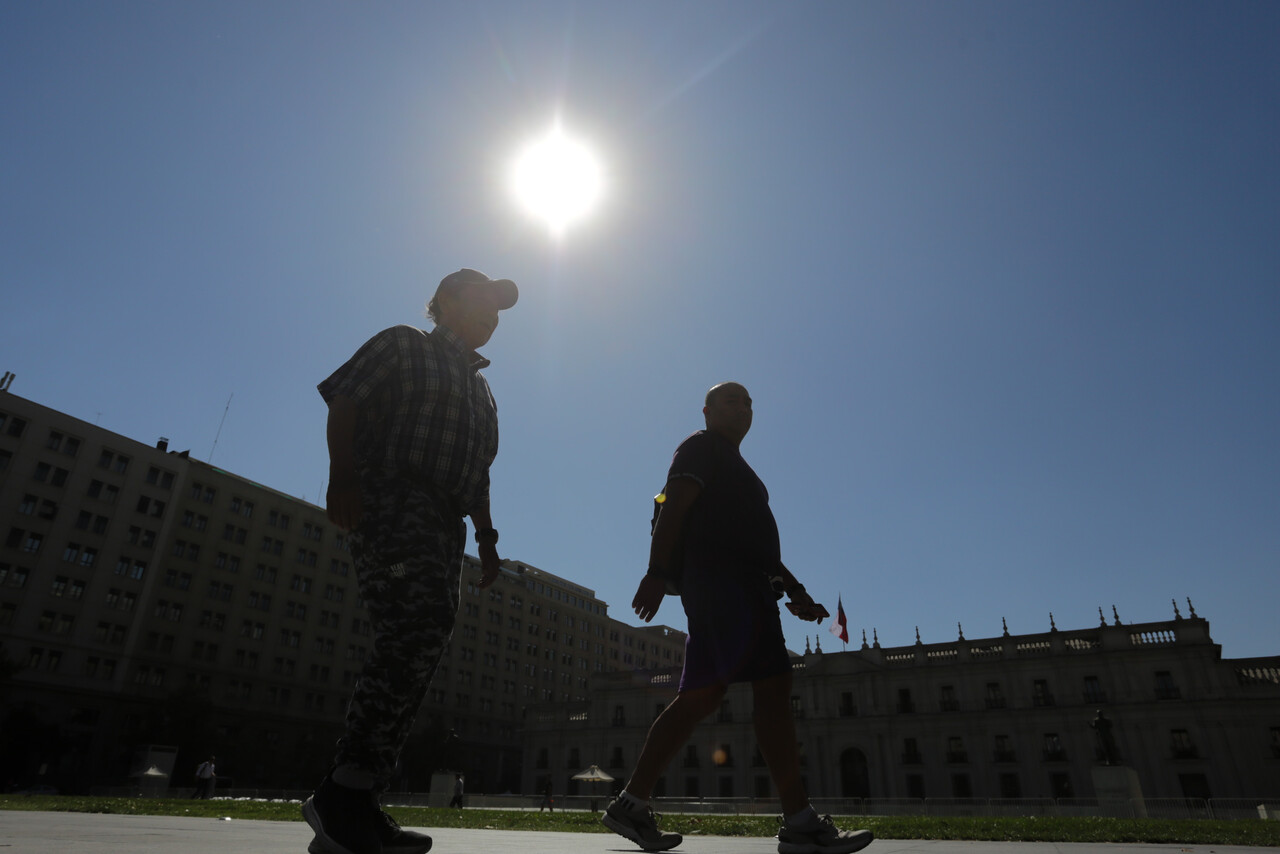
x=557, y=179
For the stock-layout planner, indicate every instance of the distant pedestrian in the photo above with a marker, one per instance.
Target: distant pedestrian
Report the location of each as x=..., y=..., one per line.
x=548, y=802
x=206, y=775
x=457, y=792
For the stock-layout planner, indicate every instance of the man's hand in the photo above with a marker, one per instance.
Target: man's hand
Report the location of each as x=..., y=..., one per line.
x=343, y=503
x=803, y=606
x=490, y=564
x=649, y=597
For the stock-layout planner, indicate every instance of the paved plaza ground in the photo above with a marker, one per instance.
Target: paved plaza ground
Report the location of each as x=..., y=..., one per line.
x=84, y=833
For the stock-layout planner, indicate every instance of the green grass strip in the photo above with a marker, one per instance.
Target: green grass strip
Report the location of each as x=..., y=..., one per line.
x=1002, y=829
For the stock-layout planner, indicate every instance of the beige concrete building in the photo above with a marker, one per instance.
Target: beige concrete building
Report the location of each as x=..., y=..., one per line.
x=149, y=598
x=1006, y=718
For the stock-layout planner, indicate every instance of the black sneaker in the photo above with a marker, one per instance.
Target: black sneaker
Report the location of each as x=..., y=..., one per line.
x=823, y=838
x=640, y=826
x=396, y=840
x=344, y=820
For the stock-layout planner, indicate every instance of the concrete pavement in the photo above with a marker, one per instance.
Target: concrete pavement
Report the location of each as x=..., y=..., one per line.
x=83, y=833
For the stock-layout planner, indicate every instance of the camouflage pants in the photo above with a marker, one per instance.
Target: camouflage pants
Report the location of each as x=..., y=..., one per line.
x=408, y=552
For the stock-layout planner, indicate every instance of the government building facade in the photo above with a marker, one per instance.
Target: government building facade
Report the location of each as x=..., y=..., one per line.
x=1005, y=719
x=148, y=598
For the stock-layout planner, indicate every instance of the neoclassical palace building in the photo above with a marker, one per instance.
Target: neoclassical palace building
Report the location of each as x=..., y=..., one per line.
x=1010, y=717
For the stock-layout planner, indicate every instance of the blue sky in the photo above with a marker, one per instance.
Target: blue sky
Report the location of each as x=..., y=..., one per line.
x=1002, y=278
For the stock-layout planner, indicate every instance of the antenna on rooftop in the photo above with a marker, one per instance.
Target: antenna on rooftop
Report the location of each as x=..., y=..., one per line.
x=220, y=423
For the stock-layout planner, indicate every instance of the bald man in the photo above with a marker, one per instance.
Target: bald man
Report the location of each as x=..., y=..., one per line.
x=716, y=541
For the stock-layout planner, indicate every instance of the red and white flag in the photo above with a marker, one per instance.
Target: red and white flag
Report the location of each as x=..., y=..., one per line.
x=840, y=626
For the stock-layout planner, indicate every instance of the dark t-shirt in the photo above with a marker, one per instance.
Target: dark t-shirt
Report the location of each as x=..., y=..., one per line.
x=730, y=527
x=730, y=546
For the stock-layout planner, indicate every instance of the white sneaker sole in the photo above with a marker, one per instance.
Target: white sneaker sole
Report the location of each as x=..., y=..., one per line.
x=627, y=833
x=861, y=839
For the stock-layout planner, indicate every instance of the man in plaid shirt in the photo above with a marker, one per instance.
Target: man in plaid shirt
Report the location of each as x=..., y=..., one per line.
x=412, y=431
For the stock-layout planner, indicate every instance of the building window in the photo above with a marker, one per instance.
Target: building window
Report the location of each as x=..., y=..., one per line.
x=1010, y=786
x=691, y=756
x=1053, y=750
x=1040, y=695
x=150, y=506
x=955, y=750
x=1181, y=744
x=905, y=704
x=12, y=576
x=1093, y=693
x=1003, y=752
x=118, y=463
x=1166, y=689
x=911, y=752
x=948, y=702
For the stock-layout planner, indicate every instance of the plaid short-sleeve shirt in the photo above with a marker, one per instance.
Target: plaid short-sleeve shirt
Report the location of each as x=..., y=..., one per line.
x=426, y=411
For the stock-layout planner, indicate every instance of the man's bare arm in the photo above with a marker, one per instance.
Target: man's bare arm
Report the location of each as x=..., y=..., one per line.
x=490, y=563
x=681, y=492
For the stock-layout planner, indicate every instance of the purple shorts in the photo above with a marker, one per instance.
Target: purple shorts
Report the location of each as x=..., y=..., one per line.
x=735, y=633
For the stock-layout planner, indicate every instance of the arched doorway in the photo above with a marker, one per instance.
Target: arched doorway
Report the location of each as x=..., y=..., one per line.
x=855, y=782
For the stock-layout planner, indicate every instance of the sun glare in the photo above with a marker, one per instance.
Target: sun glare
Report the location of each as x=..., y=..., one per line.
x=557, y=179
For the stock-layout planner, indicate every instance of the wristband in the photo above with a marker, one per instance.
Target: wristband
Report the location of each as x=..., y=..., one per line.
x=487, y=535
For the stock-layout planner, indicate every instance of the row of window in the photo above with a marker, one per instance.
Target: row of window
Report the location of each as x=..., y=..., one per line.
x=245, y=508
x=47, y=509
x=12, y=425
x=1092, y=693
x=17, y=576
x=87, y=557
x=471, y=609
